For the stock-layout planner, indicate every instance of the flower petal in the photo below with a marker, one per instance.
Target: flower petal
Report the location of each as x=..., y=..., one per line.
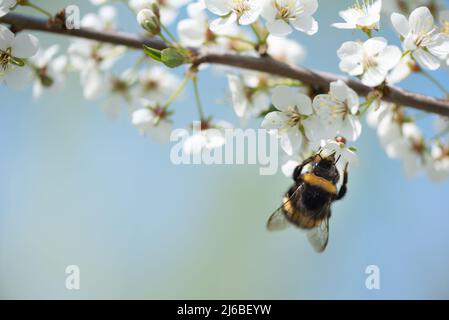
x=194, y=145
x=161, y=133
x=306, y=24
x=274, y=120
x=219, y=7
x=310, y=6
x=351, y=128
x=343, y=25
x=238, y=95
x=350, y=49
x=17, y=78
x=286, y=145
x=339, y=90
x=351, y=65
x=192, y=32
x=374, y=76
x=220, y=24
x=304, y=104
x=421, y=21
x=6, y=38
x=440, y=45
x=375, y=45
x=289, y=167
x=426, y=59
x=251, y=15
x=25, y=45
x=400, y=23
x=279, y=27
x=390, y=57
x=283, y=97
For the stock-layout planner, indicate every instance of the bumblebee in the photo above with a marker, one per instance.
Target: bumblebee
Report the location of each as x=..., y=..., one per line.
x=307, y=204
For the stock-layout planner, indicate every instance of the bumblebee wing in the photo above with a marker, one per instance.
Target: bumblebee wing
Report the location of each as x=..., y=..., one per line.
x=277, y=220
x=319, y=236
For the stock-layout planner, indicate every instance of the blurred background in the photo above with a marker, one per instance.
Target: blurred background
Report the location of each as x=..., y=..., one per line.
x=79, y=189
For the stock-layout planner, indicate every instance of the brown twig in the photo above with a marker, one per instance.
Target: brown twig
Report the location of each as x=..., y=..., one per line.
x=263, y=64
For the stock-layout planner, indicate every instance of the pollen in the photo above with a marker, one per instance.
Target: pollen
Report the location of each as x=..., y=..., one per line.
x=288, y=9
x=369, y=62
x=362, y=6
x=445, y=27
x=295, y=118
x=240, y=7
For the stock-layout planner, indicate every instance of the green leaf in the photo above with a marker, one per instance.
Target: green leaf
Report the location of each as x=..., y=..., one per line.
x=153, y=53
x=172, y=58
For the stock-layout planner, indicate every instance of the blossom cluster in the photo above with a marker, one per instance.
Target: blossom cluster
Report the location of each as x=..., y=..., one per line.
x=304, y=117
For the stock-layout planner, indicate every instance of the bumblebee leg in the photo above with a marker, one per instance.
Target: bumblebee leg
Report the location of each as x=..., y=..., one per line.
x=298, y=169
x=344, y=187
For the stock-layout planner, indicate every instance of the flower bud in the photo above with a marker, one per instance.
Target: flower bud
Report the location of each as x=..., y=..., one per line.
x=149, y=21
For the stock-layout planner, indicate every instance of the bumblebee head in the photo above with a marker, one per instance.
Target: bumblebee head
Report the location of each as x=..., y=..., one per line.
x=325, y=167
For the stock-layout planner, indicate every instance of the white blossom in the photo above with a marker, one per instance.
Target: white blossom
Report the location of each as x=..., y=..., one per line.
x=244, y=12
x=93, y=60
x=402, y=71
x=194, y=31
x=376, y=113
x=286, y=50
x=98, y=2
x=410, y=148
x=14, y=50
x=5, y=6
x=363, y=15
x=444, y=21
x=168, y=8
x=420, y=36
x=206, y=135
x=338, y=111
x=341, y=151
x=442, y=124
x=292, y=118
x=104, y=20
x=370, y=60
x=119, y=88
x=153, y=121
x=49, y=70
x=402, y=140
x=406, y=6
x=247, y=97
x=282, y=15
x=389, y=125
x=289, y=166
x=157, y=83
x=437, y=163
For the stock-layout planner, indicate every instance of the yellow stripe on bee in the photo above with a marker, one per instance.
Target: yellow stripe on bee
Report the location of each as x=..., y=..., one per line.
x=314, y=180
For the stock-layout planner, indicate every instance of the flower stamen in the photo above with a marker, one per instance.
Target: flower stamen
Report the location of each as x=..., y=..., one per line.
x=5, y=59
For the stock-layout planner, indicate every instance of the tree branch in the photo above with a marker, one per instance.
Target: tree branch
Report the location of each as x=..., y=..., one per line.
x=22, y=22
x=263, y=64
